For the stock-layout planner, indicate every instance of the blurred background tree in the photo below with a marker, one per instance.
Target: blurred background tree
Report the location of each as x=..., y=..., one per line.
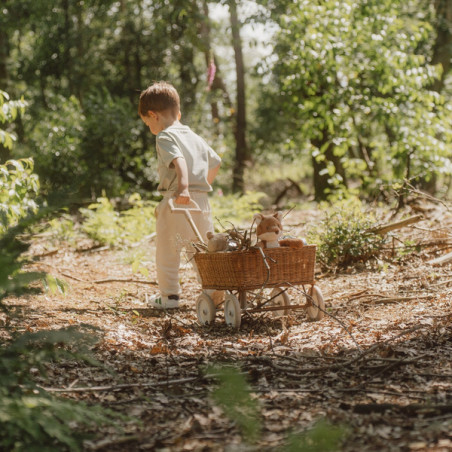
x=356, y=94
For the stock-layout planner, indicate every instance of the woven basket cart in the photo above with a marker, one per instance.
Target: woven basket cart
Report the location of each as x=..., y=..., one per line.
x=257, y=268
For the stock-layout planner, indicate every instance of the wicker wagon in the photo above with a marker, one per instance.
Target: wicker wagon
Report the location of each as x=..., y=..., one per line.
x=245, y=275
x=255, y=280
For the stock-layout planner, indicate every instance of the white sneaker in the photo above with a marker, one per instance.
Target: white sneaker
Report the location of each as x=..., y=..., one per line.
x=162, y=301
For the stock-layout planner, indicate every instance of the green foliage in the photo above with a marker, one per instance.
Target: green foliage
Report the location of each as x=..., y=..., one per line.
x=343, y=238
x=353, y=89
x=106, y=225
x=323, y=437
x=233, y=395
x=56, y=143
x=30, y=418
x=109, y=145
x=234, y=208
x=9, y=110
x=19, y=187
x=12, y=279
x=62, y=228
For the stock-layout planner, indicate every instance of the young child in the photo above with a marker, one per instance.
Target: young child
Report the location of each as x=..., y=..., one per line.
x=187, y=166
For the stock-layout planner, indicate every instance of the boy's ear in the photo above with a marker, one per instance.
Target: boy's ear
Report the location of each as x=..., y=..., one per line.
x=179, y=116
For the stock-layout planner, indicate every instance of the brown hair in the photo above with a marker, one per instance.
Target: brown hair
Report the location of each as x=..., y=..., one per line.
x=160, y=96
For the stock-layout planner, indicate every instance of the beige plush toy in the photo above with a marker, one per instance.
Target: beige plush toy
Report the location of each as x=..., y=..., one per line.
x=269, y=229
x=217, y=242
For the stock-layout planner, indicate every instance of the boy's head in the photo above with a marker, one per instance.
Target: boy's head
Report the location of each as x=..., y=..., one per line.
x=160, y=97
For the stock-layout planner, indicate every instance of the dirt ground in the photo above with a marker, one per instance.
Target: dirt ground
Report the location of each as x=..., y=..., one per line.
x=378, y=365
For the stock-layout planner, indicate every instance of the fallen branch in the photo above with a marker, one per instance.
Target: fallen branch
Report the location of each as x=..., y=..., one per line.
x=127, y=385
x=111, y=442
x=410, y=410
x=441, y=260
x=138, y=281
x=67, y=275
x=390, y=300
x=93, y=249
x=36, y=257
x=382, y=230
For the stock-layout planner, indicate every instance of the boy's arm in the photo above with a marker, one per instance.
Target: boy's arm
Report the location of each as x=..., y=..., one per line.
x=182, y=194
x=212, y=174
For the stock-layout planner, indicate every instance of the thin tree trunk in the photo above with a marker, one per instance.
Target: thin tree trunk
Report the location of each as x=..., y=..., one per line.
x=4, y=152
x=241, y=150
x=442, y=49
x=442, y=54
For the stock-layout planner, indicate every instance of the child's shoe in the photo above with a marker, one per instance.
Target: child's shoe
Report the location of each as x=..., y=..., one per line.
x=163, y=302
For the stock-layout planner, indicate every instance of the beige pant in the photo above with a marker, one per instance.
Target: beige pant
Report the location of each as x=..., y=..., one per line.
x=174, y=233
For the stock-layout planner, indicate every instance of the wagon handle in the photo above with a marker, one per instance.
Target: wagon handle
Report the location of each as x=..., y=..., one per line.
x=192, y=206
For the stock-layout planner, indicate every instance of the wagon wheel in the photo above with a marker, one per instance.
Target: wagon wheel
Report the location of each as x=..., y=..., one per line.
x=232, y=311
x=205, y=309
x=316, y=306
x=280, y=299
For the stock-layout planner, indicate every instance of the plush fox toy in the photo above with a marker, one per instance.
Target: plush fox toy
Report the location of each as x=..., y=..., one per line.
x=269, y=229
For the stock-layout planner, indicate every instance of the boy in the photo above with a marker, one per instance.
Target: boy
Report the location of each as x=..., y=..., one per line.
x=187, y=166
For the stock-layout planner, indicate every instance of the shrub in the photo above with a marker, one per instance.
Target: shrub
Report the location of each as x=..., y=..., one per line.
x=343, y=238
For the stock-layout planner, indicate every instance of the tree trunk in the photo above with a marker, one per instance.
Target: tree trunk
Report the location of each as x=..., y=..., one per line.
x=442, y=54
x=241, y=149
x=4, y=152
x=218, y=82
x=3, y=58
x=442, y=49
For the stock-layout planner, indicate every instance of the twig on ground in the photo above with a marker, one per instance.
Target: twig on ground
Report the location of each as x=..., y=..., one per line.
x=132, y=280
x=396, y=299
x=111, y=442
x=128, y=385
x=327, y=313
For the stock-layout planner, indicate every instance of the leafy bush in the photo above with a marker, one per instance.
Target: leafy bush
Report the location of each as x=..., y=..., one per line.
x=18, y=190
x=106, y=225
x=343, y=237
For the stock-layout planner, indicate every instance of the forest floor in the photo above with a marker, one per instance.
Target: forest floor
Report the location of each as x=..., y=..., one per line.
x=378, y=365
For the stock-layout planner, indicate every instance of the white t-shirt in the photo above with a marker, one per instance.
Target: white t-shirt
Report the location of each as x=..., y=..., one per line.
x=179, y=140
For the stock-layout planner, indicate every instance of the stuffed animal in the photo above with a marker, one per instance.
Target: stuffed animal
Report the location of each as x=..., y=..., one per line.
x=269, y=229
x=217, y=242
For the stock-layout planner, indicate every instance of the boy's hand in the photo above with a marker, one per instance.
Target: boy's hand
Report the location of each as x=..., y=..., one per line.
x=182, y=198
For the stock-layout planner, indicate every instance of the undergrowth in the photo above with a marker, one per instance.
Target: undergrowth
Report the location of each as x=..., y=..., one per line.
x=343, y=237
